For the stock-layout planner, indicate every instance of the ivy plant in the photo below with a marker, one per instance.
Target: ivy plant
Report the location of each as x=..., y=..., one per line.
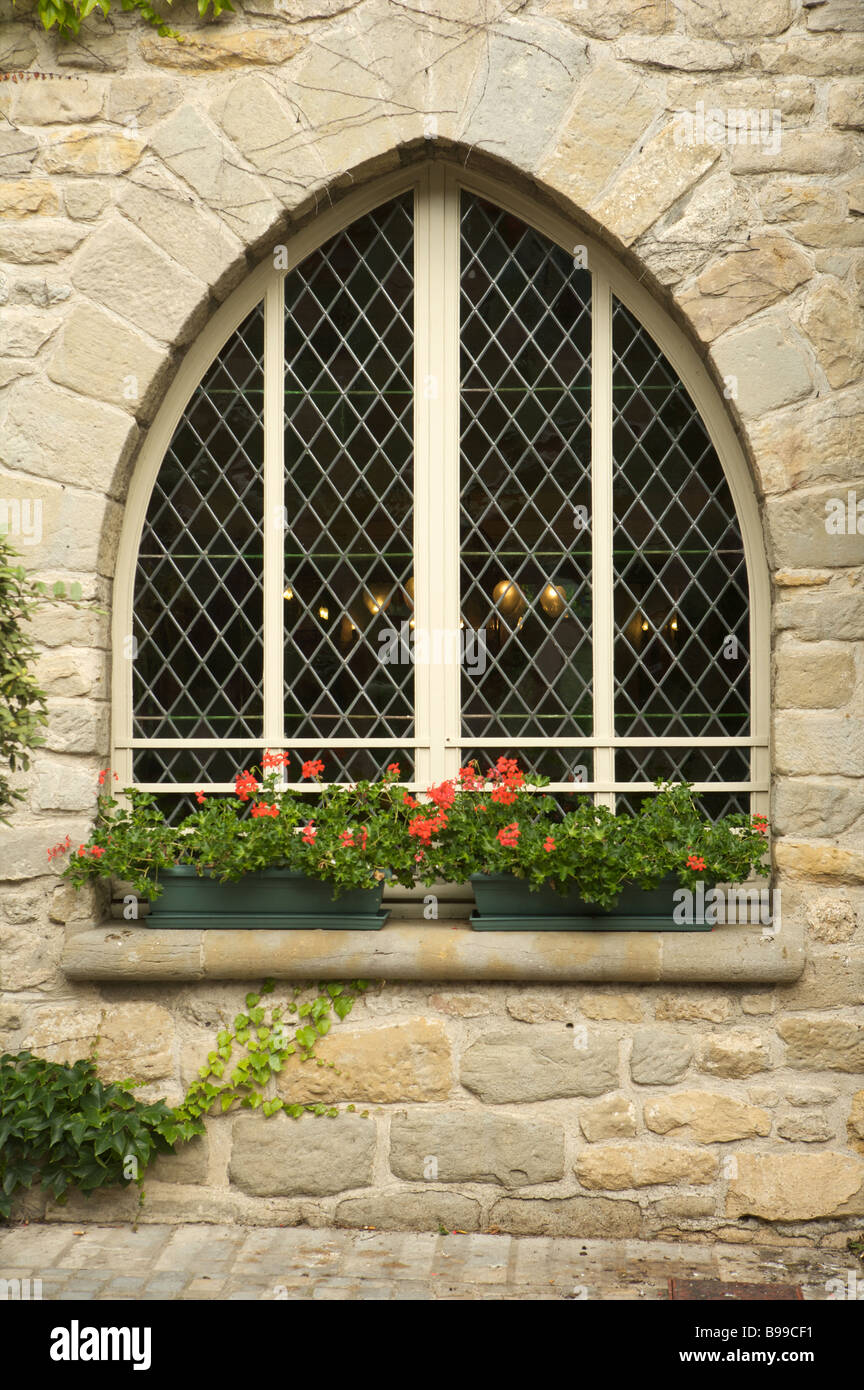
x=64, y=1127
x=67, y=16
x=266, y=1038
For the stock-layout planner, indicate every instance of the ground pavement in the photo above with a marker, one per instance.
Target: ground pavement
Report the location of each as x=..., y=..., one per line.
x=241, y=1262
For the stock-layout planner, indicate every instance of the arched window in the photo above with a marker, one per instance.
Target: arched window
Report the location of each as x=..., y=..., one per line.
x=441, y=482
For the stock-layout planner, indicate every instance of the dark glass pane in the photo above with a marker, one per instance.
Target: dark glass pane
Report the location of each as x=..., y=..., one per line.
x=349, y=485
x=198, y=583
x=525, y=479
x=680, y=580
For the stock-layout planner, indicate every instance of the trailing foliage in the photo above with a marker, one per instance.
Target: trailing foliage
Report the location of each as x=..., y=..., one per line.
x=62, y=1126
x=67, y=16
x=267, y=1039
x=22, y=701
x=355, y=836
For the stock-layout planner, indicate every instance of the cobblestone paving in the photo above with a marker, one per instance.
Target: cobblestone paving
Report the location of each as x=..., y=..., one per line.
x=241, y=1262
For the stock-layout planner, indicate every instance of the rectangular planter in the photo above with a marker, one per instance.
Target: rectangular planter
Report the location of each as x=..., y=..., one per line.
x=274, y=899
x=507, y=903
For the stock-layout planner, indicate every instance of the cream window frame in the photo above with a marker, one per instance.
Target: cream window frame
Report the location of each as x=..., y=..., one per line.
x=437, y=741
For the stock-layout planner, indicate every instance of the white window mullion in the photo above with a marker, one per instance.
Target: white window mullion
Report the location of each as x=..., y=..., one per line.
x=601, y=536
x=436, y=456
x=274, y=516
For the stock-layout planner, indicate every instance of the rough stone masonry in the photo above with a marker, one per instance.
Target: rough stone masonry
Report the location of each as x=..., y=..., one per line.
x=139, y=185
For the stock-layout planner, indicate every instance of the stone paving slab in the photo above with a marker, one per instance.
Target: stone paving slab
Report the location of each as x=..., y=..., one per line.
x=233, y=1263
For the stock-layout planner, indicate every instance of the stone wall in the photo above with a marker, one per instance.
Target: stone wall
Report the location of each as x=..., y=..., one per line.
x=139, y=184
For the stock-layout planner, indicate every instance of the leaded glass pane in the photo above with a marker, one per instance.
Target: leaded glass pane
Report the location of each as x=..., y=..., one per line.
x=680, y=577
x=349, y=482
x=525, y=478
x=198, y=603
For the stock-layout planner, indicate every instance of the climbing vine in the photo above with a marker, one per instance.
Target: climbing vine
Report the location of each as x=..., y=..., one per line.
x=267, y=1039
x=67, y=16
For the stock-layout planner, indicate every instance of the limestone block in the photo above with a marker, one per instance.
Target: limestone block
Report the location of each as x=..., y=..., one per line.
x=53, y=103
x=651, y=182
x=811, y=444
x=834, y=14
x=689, y=1008
x=833, y=323
x=855, y=1124
x=800, y=152
x=543, y=1006
x=28, y=198
x=40, y=424
x=616, y=1167
x=798, y=860
x=402, y=1061
x=814, y=675
x=17, y=46
x=41, y=240
x=823, y=1044
x=72, y=528
x=473, y=1146
x=59, y=786
x=611, y=1117
x=314, y=1157
x=796, y=1187
x=191, y=235
x=84, y=151
x=711, y=1116
x=715, y=213
x=676, y=52
x=79, y=726
x=736, y=19
x=660, y=1056
x=87, y=199
x=606, y=19
x=623, y=1008
x=830, y=980
x=25, y=331
x=124, y=271
x=807, y=617
x=611, y=110
x=505, y=1067
x=768, y=364
x=135, y=1040
x=193, y=150
x=736, y=1054
x=846, y=104
x=100, y=355
x=404, y=1210
x=525, y=90
x=17, y=151
x=462, y=1005
x=590, y=1218
x=142, y=99
x=767, y=267
x=808, y=55
x=806, y=1129
x=219, y=51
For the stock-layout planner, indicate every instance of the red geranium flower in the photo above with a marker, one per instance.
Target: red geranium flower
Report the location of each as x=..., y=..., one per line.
x=408, y=800
x=200, y=798
x=393, y=770
x=760, y=823
x=509, y=836
x=695, y=861
x=313, y=768
x=281, y=759
x=505, y=795
x=262, y=809
x=245, y=785
x=470, y=779
x=443, y=796
x=97, y=851
x=548, y=844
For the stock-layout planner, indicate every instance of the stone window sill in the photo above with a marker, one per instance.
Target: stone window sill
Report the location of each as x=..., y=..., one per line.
x=408, y=950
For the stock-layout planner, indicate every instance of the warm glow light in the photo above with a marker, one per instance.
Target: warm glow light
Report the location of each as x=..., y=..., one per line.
x=324, y=613
x=674, y=624
x=289, y=593
x=644, y=627
x=377, y=598
x=508, y=598
x=553, y=599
